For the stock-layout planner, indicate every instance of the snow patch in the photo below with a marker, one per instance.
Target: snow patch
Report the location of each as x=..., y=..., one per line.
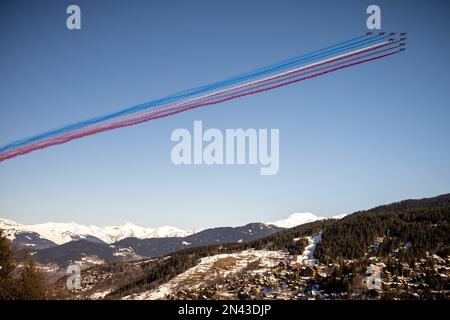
x=307, y=256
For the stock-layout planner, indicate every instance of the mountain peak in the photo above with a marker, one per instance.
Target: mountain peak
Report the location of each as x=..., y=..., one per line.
x=295, y=219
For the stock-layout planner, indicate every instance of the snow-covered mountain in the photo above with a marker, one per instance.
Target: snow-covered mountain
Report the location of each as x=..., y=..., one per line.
x=296, y=219
x=61, y=233
x=44, y=234
x=299, y=218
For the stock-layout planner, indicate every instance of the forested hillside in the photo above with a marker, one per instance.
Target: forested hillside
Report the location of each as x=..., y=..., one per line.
x=414, y=225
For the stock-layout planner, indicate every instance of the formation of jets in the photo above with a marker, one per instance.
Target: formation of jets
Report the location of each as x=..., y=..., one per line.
x=390, y=33
x=401, y=34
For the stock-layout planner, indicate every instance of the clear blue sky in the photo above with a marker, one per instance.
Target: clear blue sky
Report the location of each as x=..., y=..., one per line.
x=350, y=140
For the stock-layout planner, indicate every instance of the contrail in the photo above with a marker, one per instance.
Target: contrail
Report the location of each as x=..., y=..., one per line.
x=327, y=60
x=192, y=92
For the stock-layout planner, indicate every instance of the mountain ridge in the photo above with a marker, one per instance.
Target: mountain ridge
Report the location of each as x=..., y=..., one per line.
x=64, y=243
x=60, y=233
x=135, y=248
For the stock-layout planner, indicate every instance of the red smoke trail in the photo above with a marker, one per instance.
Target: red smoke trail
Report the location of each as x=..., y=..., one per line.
x=234, y=90
x=89, y=131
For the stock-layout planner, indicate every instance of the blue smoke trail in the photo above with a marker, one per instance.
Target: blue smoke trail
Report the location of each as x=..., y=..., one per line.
x=331, y=50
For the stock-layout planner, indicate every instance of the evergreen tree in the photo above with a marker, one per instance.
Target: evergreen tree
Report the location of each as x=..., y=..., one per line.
x=28, y=285
x=31, y=283
x=7, y=269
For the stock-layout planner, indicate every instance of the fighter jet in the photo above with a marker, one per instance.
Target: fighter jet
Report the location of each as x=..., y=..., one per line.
x=369, y=33
x=392, y=34
x=403, y=34
x=382, y=33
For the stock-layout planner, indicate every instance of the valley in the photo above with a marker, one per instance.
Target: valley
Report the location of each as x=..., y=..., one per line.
x=400, y=250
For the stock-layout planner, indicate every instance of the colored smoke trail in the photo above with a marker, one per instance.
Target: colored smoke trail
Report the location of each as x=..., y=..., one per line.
x=174, y=104
x=341, y=47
